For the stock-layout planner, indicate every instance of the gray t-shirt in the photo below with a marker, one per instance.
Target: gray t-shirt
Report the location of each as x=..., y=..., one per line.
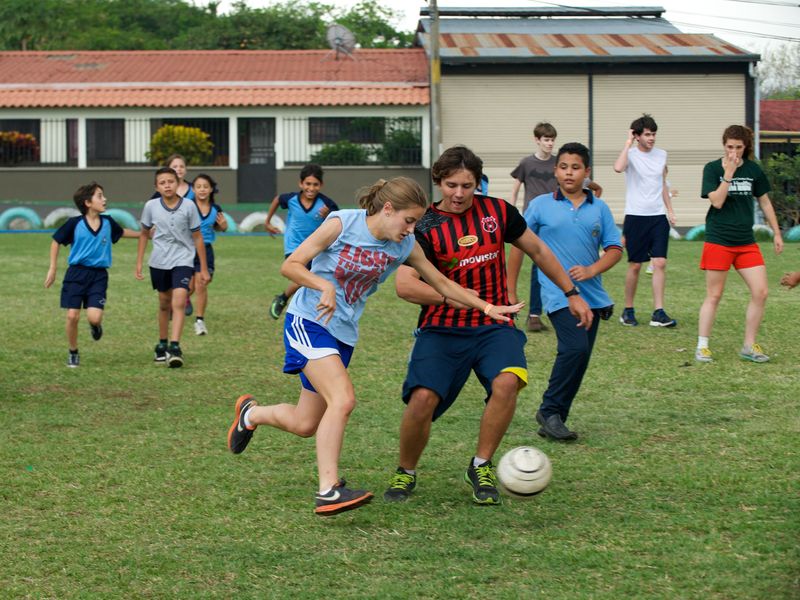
x=173, y=245
x=537, y=175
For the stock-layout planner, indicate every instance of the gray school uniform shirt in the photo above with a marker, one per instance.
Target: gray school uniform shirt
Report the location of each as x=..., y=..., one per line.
x=173, y=245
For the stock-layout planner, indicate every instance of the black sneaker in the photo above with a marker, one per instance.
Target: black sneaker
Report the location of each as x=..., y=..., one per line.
x=277, y=306
x=340, y=499
x=239, y=435
x=97, y=331
x=73, y=360
x=553, y=427
x=662, y=319
x=483, y=482
x=188, y=309
x=628, y=318
x=401, y=485
x=161, y=352
x=174, y=357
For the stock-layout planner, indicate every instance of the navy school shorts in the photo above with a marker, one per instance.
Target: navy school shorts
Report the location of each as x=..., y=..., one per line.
x=164, y=280
x=306, y=340
x=443, y=357
x=209, y=260
x=84, y=287
x=646, y=237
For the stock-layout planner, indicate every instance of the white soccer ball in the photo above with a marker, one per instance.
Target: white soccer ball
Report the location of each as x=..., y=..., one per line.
x=524, y=472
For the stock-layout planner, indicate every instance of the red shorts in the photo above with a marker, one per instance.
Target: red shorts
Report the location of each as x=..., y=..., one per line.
x=720, y=258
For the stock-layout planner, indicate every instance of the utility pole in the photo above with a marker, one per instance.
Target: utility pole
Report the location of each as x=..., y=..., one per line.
x=436, y=76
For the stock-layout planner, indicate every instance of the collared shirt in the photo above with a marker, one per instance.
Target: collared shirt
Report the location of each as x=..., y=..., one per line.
x=575, y=236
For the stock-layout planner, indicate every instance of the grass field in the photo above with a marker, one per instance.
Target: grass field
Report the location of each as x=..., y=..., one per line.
x=116, y=481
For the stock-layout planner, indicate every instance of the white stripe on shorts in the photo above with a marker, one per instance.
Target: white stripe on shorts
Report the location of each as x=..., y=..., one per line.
x=302, y=343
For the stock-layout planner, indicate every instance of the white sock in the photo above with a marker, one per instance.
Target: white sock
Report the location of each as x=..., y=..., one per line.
x=325, y=492
x=247, y=422
x=477, y=460
x=702, y=342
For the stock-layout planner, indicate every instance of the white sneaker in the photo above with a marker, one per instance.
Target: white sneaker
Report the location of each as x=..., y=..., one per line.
x=703, y=355
x=649, y=269
x=200, y=327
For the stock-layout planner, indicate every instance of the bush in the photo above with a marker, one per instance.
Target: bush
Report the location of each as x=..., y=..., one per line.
x=783, y=172
x=16, y=147
x=192, y=142
x=401, y=147
x=341, y=153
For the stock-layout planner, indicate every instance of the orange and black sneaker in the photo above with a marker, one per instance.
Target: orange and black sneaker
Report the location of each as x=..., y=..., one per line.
x=340, y=499
x=239, y=434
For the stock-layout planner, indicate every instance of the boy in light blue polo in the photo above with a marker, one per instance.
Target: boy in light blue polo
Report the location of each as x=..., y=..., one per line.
x=574, y=225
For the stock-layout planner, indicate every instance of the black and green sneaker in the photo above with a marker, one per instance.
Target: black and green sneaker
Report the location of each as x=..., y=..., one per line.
x=277, y=306
x=483, y=482
x=401, y=485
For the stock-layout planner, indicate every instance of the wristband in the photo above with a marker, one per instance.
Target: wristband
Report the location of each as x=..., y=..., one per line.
x=573, y=292
x=727, y=180
x=487, y=309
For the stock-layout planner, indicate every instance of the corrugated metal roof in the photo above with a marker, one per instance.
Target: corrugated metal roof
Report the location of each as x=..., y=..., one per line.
x=575, y=40
x=213, y=78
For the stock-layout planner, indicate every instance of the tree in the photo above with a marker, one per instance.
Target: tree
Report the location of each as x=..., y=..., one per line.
x=783, y=172
x=370, y=23
x=779, y=72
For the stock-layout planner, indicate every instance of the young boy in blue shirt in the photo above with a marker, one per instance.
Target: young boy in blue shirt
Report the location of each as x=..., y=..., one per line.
x=176, y=239
x=574, y=224
x=307, y=210
x=86, y=280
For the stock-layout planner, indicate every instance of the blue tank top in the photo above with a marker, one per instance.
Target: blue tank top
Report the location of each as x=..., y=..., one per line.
x=356, y=263
x=301, y=222
x=207, y=223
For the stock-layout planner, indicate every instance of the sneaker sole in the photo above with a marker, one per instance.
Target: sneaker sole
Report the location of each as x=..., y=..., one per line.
x=175, y=362
x=334, y=509
x=752, y=359
x=621, y=320
x=238, y=410
x=659, y=324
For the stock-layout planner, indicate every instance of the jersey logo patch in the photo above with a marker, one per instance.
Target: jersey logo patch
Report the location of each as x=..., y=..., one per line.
x=468, y=240
x=449, y=263
x=489, y=224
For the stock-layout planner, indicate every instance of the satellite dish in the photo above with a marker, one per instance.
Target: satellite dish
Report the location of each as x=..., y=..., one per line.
x=340, y=39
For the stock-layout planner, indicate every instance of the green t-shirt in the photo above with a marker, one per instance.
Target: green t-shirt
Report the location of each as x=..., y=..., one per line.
x=732, y=225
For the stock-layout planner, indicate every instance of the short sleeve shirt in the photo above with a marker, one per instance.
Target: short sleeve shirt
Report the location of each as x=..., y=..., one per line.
x=90, y=248
x=732, y=225
x=644, y=182
x=301, y=222
x=537, y=175
x=173, y=245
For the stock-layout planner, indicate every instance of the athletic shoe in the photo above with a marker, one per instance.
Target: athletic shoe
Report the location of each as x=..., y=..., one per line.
x=553, y=427
x=628, y=318
x=401, y=485
x=662, y=319
x=161, y=352
x=97, y=331
x=755, y=354
x=340, y=499
x=200, y=327
x=703, y=355
x=188, y=309
x=535, y=323
x=239, y=435
x=73, y=360
x=483, y=482
x=649, y=269
x=277, y=306
x=174, y=357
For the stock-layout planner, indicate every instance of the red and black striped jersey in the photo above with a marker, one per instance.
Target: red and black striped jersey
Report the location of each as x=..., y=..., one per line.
x=469, y=248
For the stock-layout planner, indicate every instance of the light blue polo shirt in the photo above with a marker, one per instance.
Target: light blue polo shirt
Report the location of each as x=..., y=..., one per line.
x=575, y=236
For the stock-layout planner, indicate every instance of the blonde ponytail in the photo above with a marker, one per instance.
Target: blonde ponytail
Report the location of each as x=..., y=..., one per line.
x=400, y=192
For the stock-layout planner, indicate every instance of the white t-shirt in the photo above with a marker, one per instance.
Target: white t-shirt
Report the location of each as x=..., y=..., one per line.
x=644, y=182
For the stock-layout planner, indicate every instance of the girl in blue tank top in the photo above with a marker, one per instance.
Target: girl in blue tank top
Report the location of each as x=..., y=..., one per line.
x=351, y=254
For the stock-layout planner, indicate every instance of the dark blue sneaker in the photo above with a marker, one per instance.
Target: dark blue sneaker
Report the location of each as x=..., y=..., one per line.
x=97, y=331
x=628, y=318
x=662, y=319
x=239, y=434
x=340, y=499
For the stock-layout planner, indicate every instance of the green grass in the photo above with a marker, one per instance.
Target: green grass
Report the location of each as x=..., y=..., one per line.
x=115, y=480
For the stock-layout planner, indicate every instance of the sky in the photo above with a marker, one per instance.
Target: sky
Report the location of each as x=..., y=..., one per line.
x=754, y=25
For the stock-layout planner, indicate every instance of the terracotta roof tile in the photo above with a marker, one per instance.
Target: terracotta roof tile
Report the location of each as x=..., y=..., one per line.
x=780, y=115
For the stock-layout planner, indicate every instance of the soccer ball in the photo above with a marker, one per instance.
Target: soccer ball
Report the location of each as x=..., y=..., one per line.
x=524, y=472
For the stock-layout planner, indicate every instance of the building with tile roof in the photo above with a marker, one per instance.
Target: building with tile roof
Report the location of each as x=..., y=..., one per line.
x=779, y=126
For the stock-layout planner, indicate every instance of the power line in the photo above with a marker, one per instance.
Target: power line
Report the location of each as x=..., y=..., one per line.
x=734, y=19
x=768, y=3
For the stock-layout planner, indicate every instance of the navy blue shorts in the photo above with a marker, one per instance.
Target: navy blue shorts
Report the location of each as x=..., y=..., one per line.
x=84, y=287
x=165, y=280
x=442, y=358
x=306, y=340
x=209, y=260
x=646, y=237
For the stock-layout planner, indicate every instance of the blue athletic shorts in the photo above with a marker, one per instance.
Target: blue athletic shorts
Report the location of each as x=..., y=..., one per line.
x=306, y=340
x=442, y=358
x=646, y=237
x=165, y=280
x=209, y=260
x=84, y=287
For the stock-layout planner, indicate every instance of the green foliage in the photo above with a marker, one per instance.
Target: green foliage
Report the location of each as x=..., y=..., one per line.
x=116, y=482
x=341, y=153
x=401, y=147
x=192, y=142
x=783, y=172
x=16, y=148
x=179, y=24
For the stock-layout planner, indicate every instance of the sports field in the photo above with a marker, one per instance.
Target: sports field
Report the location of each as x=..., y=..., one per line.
x=115, y=479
